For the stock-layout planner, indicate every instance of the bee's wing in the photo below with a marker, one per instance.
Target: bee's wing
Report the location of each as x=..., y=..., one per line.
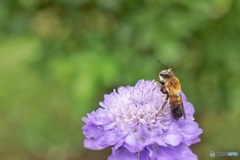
x=182, y=107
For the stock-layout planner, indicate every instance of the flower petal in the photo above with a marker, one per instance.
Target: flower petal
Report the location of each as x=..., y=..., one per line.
x=131, y=140
x=92, y=131
x=123, y=154
x=190, y=128
x=172, y=139
x=180, y=152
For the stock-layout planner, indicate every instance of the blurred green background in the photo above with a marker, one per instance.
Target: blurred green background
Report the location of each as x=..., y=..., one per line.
x=59, y=57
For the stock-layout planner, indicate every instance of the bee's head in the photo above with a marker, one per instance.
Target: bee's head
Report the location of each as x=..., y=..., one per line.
x=165, y=74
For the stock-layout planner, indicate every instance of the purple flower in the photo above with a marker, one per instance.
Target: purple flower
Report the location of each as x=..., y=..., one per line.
x=132, y=122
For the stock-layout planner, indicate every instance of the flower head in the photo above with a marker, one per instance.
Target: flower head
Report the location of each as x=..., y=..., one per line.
x=133, y=122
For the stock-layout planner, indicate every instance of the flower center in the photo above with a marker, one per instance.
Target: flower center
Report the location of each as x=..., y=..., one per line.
x=146, y=110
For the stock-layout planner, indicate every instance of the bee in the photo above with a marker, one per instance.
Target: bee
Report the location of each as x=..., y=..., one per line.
x=170, y=85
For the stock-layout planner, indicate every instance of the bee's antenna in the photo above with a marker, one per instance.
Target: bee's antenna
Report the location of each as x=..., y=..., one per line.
x=162, y=64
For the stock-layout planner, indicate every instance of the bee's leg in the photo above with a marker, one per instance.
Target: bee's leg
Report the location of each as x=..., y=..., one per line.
x=166, y=100
x=160, y=110
x=167, y=96
x=164, y=104
x=163, y=90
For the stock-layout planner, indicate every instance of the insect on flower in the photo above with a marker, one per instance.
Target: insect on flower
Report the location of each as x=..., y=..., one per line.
x=130, y=123
x=170, y=85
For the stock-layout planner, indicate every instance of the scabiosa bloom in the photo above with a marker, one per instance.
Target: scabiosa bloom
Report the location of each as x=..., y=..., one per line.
x=133, y=122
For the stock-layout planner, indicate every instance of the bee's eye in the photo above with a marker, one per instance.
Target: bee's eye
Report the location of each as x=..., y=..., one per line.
x=165, y=74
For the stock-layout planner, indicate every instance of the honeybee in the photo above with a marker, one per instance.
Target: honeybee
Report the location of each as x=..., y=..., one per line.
x=170, y=85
